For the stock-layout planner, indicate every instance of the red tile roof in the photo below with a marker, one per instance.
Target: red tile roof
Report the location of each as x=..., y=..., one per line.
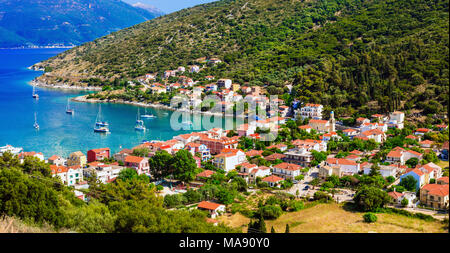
x=272, y=179
x=133, y=159
x=275, y=156
x=318, y=121
x=395, y=194
x=252, y=153
x=53, y=157
x=208, y=205
x=443, y=179
x=288, y=166
x=206, y=173
x=341, y=161
x=436, y=189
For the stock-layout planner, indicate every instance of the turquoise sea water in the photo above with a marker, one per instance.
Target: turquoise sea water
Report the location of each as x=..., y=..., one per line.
x=61, y=133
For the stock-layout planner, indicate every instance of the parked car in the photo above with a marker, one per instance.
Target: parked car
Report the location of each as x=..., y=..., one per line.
x=306, y=188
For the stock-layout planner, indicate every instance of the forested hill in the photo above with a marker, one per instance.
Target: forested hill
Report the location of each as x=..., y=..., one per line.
x=376, y=55
x=69, y=22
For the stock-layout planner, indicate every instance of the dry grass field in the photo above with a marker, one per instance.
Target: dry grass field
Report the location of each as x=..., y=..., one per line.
x=332, y=218
x=13, y=225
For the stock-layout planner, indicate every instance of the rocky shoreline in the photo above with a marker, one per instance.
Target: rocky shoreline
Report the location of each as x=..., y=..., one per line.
x=84, y=99
x=64, y=87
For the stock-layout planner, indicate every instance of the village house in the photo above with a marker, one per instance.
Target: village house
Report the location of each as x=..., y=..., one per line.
x=418, y=175
x=245, y=169
x=350, y=132
x=22, y=156
x=194, y=69
x=70, y=175
x=261, y=172
x=400, y=155
x=140, y=164
x=286, y=170
x=310, y=145
x=434, y=170
x=396, y=120
x=306, y=128
x=379, y=117
x=253, y=153
x=98, y=154
x=229, y=158
x=202, y=176
x=347, y=167
x=426, y=144
x=412, y=137
x=374, y=134
x=325, y=171
x=216, y=145
x=312, y=111
x=56, y=160
x=442, y=180
x=170, y=73
x=246, y=129
x=330, y=136
x=441, y=127
x=282, y=147
x=201, y=149
x=385, y=171
x=370, y=126
x=213, y=209
x=299, y=156
x=273, y=181
x=77, y=158
x=235, y=87
x=397, y=197
x=120, y=156
x=435, y=196
x=275, y=156
x=105, y=172
x=421, y=131
x=283, y=110
x=360, y=121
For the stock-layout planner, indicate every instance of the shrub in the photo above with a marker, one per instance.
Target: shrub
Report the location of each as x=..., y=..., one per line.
x=270, y=211
x=370, y=217
x=405, y=202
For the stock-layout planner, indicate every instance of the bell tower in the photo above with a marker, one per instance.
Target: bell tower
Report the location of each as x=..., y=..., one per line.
x=332, y=122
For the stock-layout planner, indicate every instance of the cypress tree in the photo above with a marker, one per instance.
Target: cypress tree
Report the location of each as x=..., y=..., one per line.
x=287, y=228
x=262, y=225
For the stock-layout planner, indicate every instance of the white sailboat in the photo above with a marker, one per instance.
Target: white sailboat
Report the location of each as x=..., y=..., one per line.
x=100, y=126
x=35, y=95
x=139, y=123
x=147, y=116
x=68, y=110
x=36, y=125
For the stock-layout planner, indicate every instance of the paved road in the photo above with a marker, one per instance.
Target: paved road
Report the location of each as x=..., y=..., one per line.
x=435, y=214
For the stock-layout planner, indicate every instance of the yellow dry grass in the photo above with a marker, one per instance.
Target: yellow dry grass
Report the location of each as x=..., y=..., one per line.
x=332, y=218
x=13, y=225
x=442, y=164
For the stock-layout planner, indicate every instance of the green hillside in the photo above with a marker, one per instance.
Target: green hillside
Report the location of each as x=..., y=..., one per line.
x=377, y=55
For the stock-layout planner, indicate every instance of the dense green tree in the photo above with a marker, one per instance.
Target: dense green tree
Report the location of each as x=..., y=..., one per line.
x=370, y=198
x=409, y=182
x=159, y=164
x=184, y=166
